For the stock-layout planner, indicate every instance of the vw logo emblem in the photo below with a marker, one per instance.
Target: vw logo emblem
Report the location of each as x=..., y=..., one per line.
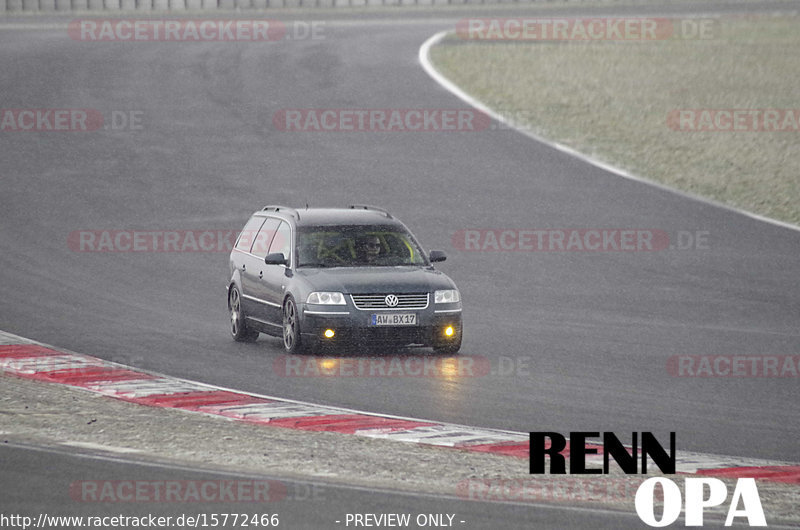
x=391, y=300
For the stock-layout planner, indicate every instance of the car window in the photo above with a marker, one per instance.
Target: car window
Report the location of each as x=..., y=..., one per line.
x=265, y=236
x=248, y=234
x=356, y=245
x=282, y=242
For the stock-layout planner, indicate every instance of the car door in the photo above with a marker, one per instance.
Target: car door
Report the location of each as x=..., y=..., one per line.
x=272, y=278
x=253, y=278
x=242, y=261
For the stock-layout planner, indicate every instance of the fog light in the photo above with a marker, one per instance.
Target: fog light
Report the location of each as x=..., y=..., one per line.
x=449, y=331
x=329, y=333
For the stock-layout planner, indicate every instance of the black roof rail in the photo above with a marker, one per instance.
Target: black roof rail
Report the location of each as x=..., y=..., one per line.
x=368, y=207
x=279, y=208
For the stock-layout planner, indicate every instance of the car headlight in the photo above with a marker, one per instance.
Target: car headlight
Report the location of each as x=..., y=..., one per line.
x=325, y=298
x=447, y=296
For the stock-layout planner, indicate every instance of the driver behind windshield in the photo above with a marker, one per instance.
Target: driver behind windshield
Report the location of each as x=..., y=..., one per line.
x=369, y=249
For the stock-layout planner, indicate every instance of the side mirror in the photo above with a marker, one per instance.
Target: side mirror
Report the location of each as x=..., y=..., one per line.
x=276, y=258
x=437, y=255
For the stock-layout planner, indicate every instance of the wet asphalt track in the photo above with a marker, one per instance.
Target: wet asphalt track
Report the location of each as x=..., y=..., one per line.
x=595, y=330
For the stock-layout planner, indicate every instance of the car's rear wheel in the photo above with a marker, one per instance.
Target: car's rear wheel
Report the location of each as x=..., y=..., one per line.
x=239, y=330
x=292, y=341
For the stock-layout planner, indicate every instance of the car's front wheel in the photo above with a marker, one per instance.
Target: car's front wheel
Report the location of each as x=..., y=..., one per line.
x=292, y=341
x=239, y=330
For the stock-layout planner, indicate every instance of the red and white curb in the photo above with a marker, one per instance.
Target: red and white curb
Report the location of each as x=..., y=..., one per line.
x=33, y=360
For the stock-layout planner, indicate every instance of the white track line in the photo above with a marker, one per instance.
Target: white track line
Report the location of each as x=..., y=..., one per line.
x=424, y=59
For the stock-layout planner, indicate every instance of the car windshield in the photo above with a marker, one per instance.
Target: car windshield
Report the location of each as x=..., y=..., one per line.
x=357, y=246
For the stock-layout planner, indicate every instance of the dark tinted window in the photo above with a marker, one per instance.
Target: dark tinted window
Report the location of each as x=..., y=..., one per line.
x=265, y=237
x=282, y=241
x=248, y=234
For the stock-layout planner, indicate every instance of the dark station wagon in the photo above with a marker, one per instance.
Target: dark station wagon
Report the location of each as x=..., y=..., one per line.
x=322, y=277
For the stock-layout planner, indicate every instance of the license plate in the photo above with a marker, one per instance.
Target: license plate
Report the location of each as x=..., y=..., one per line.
x=394, y=319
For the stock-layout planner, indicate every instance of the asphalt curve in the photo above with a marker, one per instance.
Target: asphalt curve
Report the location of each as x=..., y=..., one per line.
x=594, y=330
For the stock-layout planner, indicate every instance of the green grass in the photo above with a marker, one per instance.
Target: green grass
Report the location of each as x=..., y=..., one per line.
x=611, y=100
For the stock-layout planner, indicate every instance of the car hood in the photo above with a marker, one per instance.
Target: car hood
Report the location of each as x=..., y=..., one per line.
x=355, y=280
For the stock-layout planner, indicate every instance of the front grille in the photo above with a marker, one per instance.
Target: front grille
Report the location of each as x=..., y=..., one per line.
x=378, y=301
